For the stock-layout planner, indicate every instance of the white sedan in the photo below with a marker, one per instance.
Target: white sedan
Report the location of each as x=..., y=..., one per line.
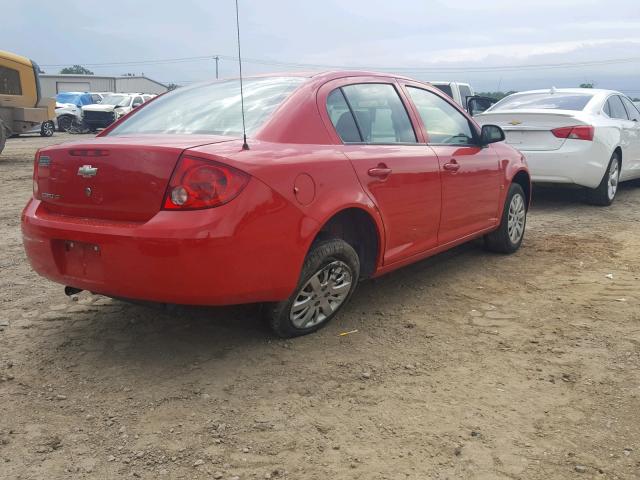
x=579, y=136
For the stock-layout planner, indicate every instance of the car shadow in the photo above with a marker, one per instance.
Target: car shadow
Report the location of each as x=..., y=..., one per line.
x=548, y=197
x=116, y=333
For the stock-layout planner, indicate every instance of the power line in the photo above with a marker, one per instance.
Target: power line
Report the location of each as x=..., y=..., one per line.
x=399, y=69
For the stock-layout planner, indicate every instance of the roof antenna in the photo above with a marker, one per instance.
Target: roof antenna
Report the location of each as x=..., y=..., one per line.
x=245, y=145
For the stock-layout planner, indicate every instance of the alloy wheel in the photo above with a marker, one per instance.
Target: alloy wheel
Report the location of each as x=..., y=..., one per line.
x=322, y=295
x=516, y=219
x=614, y=175
x=47, y=129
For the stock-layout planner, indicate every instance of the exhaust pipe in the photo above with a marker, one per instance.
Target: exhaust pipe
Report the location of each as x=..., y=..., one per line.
x=70, y=291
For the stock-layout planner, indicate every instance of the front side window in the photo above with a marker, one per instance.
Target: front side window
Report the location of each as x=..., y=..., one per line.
x=617, y=108
x=379, y=113
x=212, y=108
x=633, y=112
x=444, y=123
x=9, y=81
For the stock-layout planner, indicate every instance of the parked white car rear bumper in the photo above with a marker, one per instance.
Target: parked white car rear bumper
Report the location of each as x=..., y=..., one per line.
x=577, y=161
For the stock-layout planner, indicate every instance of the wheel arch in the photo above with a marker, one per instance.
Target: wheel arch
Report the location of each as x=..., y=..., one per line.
x=360, y=228
x=522, y=178
x=618, y=150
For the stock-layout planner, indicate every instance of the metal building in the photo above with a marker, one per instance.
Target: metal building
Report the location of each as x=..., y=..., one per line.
x=50, y=85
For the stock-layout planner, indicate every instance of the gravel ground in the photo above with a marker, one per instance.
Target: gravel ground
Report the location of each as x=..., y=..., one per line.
x=469, y=365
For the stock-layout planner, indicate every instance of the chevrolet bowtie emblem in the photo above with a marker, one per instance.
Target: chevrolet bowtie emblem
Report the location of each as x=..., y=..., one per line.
x=87, y=171
x=514, y=122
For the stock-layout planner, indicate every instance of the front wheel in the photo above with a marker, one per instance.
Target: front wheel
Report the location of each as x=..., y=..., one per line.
x=64, y=123
x=604, y=193
x=47, y=128
x=329, y=277
x=508, y=237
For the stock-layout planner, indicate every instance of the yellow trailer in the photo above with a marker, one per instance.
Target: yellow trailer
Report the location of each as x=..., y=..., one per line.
x=21, y=106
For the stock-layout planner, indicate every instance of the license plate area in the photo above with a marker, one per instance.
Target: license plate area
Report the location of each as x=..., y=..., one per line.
x=514, y=138
x=79, y=259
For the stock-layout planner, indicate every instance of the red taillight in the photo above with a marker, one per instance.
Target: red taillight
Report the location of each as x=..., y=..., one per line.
x=198, y=183
x=580, y=132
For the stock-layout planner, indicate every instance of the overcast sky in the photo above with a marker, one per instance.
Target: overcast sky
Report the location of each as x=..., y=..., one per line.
x=418, y=38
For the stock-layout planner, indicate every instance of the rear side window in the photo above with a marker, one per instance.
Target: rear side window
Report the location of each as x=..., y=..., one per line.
x=633, y=112
x=617, y=108
x=544, y=101
x=9, y=81
x=342, y=118
x=379, y=113
x=444, y=123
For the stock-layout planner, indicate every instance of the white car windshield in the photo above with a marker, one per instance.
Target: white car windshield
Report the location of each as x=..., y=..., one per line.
x=212, y=108
x=543, y=101
x=117, y=100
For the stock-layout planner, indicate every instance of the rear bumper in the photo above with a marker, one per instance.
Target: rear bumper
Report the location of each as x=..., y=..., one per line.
x=577, y=162
x=227, y=255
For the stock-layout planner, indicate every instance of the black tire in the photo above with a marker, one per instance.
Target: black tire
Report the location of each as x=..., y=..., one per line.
x=64, y=123
x=47, y=128
x=324, y=256
x=601, y=194
x=500, y=240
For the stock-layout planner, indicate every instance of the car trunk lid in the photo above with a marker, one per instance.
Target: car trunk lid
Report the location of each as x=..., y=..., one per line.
x=531, y=130
x=114, y=178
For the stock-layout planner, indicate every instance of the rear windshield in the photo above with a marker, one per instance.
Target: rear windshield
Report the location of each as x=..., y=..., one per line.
x=544, y=101
x=212, y=108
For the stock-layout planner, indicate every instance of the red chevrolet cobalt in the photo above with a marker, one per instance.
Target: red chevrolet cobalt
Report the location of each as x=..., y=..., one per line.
x=345, y=176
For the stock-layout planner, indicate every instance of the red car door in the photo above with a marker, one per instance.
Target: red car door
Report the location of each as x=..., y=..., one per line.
x=471, y=176
x=398, y=173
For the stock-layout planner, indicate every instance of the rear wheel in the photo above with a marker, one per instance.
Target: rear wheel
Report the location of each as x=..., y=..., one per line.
x=508, y=237
x=329, y=277
x=47, y=128
x=604, y=194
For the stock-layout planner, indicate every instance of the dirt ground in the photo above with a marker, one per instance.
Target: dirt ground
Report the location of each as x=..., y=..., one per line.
x=469, y=365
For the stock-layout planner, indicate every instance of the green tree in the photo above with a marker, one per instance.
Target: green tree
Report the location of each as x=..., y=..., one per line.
x=76, y=70
x=586, y=85
x=172, y=86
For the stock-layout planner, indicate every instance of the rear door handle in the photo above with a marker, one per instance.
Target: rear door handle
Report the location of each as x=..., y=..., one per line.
x=381, y=171
x=452, y=166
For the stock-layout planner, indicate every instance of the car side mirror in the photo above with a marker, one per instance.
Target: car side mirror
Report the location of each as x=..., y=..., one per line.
x=491, y=134
x=477, y=104
x=136, y=105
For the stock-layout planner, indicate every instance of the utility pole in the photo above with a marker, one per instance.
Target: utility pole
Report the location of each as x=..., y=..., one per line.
x=216, y=58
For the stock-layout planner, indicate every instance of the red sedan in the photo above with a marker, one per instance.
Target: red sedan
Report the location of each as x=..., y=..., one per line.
x=346, y=176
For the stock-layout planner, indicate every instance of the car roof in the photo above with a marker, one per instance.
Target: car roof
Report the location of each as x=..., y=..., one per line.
x=326, y=75
x=591, y=91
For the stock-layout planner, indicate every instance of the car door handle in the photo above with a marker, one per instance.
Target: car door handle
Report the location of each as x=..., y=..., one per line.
x=381, y=171
x=452, y=166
